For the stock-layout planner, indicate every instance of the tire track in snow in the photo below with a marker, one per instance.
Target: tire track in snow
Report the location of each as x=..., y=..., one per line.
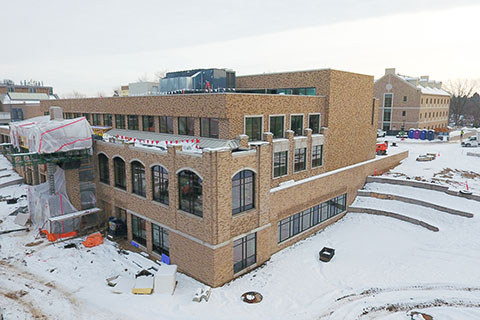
x=346, y=300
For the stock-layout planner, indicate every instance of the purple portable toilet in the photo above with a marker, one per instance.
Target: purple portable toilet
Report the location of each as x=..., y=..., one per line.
x=416, y=134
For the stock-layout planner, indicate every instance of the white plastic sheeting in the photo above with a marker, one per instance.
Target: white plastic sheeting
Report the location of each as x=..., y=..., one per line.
x=43, y=205
x=42, y=135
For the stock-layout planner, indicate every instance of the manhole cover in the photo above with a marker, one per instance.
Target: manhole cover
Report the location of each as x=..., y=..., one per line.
x=252, y=297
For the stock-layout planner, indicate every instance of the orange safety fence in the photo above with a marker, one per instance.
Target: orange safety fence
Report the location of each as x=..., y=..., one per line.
x=55, y=236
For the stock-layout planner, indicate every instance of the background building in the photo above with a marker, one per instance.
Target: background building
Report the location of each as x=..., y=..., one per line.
x=198, y=80
x=410, y=102
x=143, y=88
x=22, y=101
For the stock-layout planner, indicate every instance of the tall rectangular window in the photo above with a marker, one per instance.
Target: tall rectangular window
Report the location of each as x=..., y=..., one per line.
x=148, y=124
x=296, y=124
x=209, y=127
x=317, y=156
x=244, y=252
x=253, y=128
x=185, y=126
x=277, y=123
x=87, y=116
x=120, y=121
x=404, y=113
x=314, y=123
x=300, y=159
x=387, y=100
x=77, y=115
x=280, y=164
x=107, y=120
x=132, y=122
x=166, y=124
x=96, y=119
x=160, y=240
x=139, y=230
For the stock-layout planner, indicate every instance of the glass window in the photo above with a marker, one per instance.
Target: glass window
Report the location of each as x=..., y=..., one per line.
x=107, y=120
x=67, y=115
x=404, y=113
x=280, y=163
x=310, y=91
x=120, y=175
x=139, y=230
x=166, y=124
x=325, y=210
x=314, y=123
x=132, y=122
x=148, y=124
x=120, y=121
x=317, y=156
x=77, y=115
x=185, y=126
x=244, y=252
x=190, y=192
x=96, y=119
x=253, y=128
x=209, y=127
x=277, y=125
x=87, y=116
x=160, y=241
x=387, y=100
x=296, y=124
x=404, y=98
x=104, y=172
x=300, y=160
x=243, y=191
x=139, y=184
x=160, y=184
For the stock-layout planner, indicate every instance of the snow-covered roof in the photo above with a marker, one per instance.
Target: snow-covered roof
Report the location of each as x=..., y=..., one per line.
x=210, y=143
x=433, y=91
x=28, y=96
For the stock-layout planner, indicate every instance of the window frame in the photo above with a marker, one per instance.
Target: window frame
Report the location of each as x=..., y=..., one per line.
x=210, y=133
x=163, y=233
x=295, y=162
x=103, y=171
x=149, y=119
x=139, y=182
x=314, y=147
x=163, y=182
x=191, y=208
x=166, y=123
x=137, y=236
x=242, y=191
x=107, y=122
x=187, y=131
x=250, y=139
x=270, y=125
x=244, y=262
x=119, y=117
x=286, y=164
x=319, y=121
x=130, y=120
x=303, y=123
x=117, y=177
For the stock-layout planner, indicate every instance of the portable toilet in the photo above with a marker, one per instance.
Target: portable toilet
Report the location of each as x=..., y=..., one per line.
x=431, y=135
x=416, y=134
x=410, y=133
x=423, y=134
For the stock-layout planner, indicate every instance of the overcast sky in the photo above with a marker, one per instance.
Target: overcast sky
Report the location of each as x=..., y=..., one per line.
x=94, y=46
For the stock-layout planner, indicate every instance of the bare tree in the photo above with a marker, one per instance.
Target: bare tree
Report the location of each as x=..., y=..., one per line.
x=74, y=95
x=143, y=78
x=160, y=74
x=460, y=91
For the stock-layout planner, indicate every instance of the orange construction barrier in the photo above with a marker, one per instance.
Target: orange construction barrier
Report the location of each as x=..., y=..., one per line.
x=93, y=240
x=55, y=236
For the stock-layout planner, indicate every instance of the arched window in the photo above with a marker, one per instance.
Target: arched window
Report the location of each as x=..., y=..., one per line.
x=104, y=171
x=139, y=185
x=243, y=191
x=120, y=174
x=160, y=184
x=190, y=192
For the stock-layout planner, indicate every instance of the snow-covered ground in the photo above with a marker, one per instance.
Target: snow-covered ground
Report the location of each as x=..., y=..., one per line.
x=383, y=268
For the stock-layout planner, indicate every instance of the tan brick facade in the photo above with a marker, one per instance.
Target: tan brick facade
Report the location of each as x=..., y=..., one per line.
x=203, y=246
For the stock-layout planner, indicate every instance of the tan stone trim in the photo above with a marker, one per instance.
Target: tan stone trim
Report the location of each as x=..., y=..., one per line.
x=208, y=245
